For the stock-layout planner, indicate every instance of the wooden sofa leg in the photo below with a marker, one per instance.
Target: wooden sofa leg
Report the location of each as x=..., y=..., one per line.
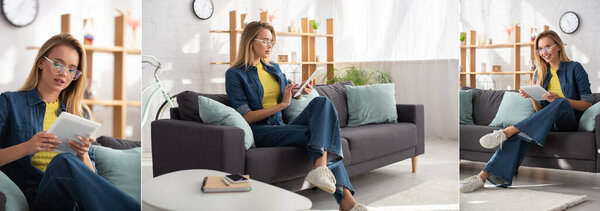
x=414, y=163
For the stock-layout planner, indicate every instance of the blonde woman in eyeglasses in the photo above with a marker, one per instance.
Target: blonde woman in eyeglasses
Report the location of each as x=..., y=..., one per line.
x=569, y=95
x=52, y=181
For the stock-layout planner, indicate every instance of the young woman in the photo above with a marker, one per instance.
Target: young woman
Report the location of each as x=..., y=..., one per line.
x=52, y=181
x=259, y=91
x=569, y=95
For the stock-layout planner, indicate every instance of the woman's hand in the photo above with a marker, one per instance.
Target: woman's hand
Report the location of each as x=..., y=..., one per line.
x=42, y=142
x=550, y=96
x=83, y=147
x=287, y=95
x=308, y=89
x=524, y=94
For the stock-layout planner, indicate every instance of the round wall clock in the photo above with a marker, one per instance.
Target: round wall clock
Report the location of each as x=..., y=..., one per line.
x=203, y=8
x=20, y=13
x=569, y=22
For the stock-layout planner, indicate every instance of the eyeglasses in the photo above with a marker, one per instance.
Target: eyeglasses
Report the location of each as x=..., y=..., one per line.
x=59, y=68
x=266, y=42
x=546, y=49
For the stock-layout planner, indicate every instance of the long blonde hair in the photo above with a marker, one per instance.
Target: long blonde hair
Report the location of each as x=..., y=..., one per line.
x=245, y=53
x=542, y=65
x=72, y=96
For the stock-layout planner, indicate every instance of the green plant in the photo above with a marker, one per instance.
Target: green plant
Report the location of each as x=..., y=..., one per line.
x=360, y=76
x=316, y=25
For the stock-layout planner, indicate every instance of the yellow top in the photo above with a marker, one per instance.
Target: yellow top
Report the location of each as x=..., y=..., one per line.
x=41, y=160
x=554, y=84
x=270, y=86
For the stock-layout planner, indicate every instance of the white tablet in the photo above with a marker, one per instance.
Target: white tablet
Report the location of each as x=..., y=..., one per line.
x=535, y=91
x=68, y=127
x=312, y=77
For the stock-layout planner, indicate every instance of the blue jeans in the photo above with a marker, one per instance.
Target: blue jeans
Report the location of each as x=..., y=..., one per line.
x=317, y=128
x=556, y=116
x=68, y=184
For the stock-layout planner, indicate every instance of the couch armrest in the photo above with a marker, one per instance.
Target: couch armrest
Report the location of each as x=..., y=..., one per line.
x=179, y=145
x=414, y=113
x=597, y=135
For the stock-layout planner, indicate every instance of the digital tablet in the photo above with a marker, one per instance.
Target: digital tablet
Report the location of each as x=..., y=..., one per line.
x=312, y=77
x=535, y=91
x=68, y=127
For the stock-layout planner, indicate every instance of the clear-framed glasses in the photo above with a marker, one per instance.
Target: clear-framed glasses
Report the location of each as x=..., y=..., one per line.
x=266, y=42
x=546, y=49
x=59, y=68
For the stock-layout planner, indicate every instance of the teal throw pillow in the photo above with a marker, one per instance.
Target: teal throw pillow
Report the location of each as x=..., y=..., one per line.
x=513, y=109
x=297, y=105
x=213, y=112
x=121, y=168
x=466, y=107
x=587, y=122
x=15, y=199
x=371, y=104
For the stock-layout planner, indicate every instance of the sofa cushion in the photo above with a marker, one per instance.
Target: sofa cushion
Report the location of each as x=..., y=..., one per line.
x=15, y=199
x=337, y=94
x=466, y=107
x=121, y=168
x=187, y=102
x=371, y=104
x=566, y=145
x=116, y=143
x=297, y=105
x=512, y=110
x=485, y=105
x=587, y=122
x=278, y=164
x=368, y=142
x=216, y=113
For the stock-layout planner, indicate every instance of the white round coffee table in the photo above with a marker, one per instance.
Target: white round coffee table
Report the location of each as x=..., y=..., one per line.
x=180, y=190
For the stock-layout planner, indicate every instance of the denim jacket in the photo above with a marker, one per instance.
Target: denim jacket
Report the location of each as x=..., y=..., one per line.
x=21, y=117
x=574, y=83
x=245, y=91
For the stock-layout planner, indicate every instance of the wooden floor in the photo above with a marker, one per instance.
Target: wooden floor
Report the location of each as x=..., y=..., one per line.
x=551, y=180
x=440, y=160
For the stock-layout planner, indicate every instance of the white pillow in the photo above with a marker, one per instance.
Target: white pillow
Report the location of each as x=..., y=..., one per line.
x=213, y=112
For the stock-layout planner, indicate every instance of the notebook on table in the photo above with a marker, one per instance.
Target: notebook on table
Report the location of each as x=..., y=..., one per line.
x=215, y=184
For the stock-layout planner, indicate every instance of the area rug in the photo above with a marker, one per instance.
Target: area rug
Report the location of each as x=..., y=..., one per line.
x=493, y=198
x=434, y=194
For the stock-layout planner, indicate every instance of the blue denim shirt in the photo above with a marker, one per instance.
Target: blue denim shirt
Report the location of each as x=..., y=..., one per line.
x=21, y=117
x=245, y=91
x=574, y=83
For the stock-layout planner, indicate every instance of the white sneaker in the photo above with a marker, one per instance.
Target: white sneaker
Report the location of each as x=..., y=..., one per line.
x=471, y=184
x=359, y=207
x=492, y=140
x=323, y=178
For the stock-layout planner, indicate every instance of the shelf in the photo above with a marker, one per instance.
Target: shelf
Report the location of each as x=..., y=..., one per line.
x=111, y=102
x=318, y=63
x=287, y=34
x=503, y=45
x=497, y=73
x=102, y=49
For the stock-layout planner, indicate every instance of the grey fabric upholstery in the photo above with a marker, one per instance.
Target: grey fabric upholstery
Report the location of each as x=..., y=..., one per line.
x=117, y=143
x=337, y=94
x=188, y=104
x=186, y=143
x=563, y=150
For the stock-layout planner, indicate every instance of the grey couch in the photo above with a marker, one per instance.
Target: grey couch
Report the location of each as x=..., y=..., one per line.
x=579, y=151
x=184, y=142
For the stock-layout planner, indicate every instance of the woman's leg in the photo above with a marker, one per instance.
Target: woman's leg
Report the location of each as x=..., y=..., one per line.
x=557, y=116
x=68, y=183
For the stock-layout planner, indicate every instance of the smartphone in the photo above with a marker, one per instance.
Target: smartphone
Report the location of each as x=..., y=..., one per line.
x=235, y=178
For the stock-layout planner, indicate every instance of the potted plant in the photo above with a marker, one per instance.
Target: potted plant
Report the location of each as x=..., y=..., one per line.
x=360, y=76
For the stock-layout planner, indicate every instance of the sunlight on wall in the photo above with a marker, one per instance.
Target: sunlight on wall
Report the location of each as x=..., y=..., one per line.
x=8, y=66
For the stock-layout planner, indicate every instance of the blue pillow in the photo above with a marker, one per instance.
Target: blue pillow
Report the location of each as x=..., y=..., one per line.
x=15, y=199
x=513, y=109
x=297, y=105
x=587, y=122
x=121, y=168
x=213, y=112
x=371, y=104
x=466, y=107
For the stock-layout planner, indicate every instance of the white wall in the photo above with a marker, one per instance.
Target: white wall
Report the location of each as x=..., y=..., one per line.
x=16, y=61
x=489, y=15
x=364, y=31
